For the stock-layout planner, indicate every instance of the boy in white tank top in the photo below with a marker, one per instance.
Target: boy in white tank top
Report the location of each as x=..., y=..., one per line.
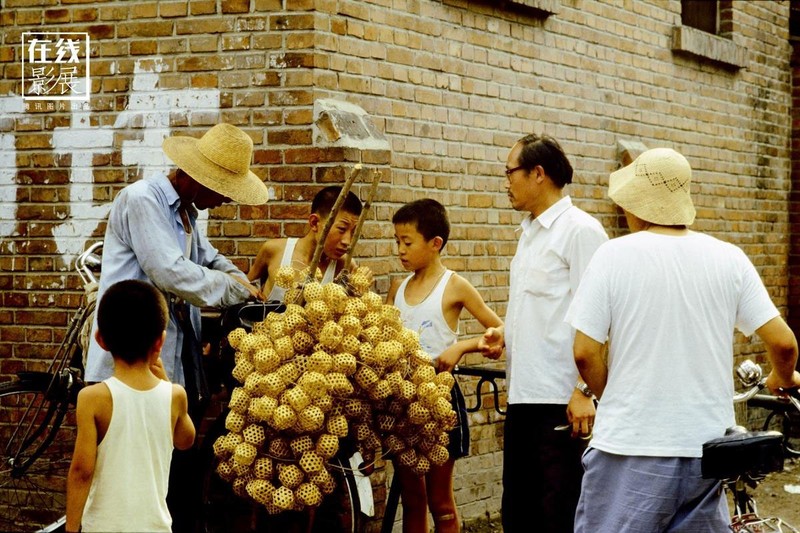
x=129, y=423
x=430, y=302
x=276, y=253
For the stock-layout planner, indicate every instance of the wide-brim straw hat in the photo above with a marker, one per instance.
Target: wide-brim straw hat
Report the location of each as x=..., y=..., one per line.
x=220, y=161
x=655, y=188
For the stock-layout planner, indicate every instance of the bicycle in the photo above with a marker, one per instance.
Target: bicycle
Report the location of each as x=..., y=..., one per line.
x=743, y=458
x=346, y=510
x=33, y=408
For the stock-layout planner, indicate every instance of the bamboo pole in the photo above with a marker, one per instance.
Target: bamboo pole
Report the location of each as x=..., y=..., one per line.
x=376, y=180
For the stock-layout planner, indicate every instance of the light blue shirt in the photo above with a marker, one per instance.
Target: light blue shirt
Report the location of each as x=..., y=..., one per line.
x=145, y=240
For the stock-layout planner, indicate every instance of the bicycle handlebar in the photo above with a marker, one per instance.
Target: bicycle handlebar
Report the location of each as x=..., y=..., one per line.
x=88, y=263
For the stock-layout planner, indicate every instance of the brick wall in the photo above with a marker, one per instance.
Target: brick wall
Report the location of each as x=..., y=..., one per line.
x=451, y=83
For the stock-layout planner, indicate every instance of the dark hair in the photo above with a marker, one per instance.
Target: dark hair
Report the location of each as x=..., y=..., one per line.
x=131, y=316
x=429, y=217
x=323, y=202
x=545, y=151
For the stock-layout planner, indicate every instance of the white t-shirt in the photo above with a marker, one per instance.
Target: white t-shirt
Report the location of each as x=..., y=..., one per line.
x=668, y=305
x=553, y=251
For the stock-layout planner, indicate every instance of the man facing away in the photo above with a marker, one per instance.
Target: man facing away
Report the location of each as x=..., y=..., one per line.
x=541, y=466
x=667, y=300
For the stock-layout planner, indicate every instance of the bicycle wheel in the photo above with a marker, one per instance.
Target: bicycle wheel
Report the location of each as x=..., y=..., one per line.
x=33, y=464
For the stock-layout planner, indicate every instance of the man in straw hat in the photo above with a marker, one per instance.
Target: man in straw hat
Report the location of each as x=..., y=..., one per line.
x=152, y=236
x=541, y=466
x=667, y=300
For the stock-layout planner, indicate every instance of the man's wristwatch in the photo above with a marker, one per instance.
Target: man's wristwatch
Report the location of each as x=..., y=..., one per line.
x=584, y=388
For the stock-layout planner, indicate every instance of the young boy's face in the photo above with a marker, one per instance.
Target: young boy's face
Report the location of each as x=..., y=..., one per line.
x=341, y=235
x=413, y=249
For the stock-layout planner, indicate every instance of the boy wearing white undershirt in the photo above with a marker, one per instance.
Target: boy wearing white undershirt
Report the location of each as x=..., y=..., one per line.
x=276, y=253
x=430, y=302
x=129, y=423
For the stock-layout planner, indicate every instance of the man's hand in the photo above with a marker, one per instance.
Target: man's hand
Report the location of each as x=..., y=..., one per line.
x=255, y=294
x=448, y=359
x=492, y=343
x=580, y=413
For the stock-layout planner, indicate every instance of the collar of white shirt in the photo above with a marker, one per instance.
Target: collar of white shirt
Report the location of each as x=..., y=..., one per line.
x=550, y=214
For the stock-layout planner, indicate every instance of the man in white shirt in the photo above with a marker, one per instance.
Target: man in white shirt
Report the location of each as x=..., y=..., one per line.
x=541, y=466
x=667, y=300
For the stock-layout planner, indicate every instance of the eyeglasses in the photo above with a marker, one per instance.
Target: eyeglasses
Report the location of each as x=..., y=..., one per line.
x=510, y=171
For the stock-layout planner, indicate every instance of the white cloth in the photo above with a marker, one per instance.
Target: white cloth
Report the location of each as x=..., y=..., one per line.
x=553, y=251
x=669, y=305
x=427, y=317
x=277, y=293
x=129, y=487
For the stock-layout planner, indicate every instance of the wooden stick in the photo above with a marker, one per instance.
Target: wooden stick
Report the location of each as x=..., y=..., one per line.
x=337, y=206
x=376, y=180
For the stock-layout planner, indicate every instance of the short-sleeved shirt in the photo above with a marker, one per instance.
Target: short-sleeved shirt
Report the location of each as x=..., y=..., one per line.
x=668, y=306
x=553, y=251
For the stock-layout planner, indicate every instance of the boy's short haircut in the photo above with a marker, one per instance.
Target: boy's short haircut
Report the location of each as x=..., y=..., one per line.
x=131, y=316
x=545, y=151
x=429, y=217
x=323, y=202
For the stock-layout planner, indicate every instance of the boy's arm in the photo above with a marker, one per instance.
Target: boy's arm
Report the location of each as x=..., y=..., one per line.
x=260, y=269
x=183, y=433
x=470, y=299
x=81, y=470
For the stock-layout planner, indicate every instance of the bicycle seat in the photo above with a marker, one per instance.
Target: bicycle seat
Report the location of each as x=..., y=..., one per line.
x=742, y=453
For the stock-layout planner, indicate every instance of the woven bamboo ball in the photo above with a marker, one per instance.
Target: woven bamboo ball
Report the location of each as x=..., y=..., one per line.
x=255, y=435
x=285, y=277
x=423, y=374
x=318, y=312
x=430, y=429
x=308, y=494
x=350, y=344
x=312, y=291
x=273, y=384
x=408, y=458
x=263, y=468
x=409, y=339
x=235, y=337
x=354, y=408
x=301, y=444
x=380, y=390
x=423, y=466
x=293, y=295
x=280, y=448
x=442, y=409
x=420, y=358
x=365, y=353
x=247, y=344
x=373, y=442
x=324, y=402
x=331, y=335
x=219, y=448
x=252, y=384
x=428, y=393
x=372, y=301
x=337, y=425
x=261, y=409
x=235, y=422
x=266, y=360
x=295, y=321
x=372, y=320
x=284, y=417
x=361, y=280
x=362, y=431
x=355, y=307
x=225, y=470
x=407, y=391
x=283, y=498
x=290, y=475
x=327, y=445
x=335, y=296
x=446, y=379
x=324, y=481
x=438, y=455
x=298, y=399
x=344, y=363
x=278, y=329
x=260, y=490
x=311, y=418
x=288, y=372
x=394, y=379
x=239, y=401
x=302, y=342
x=396, y=407
x=418, y=414
x=311, y=461
x=284, y=347
x=339, y=385
x=386, y=422
x=240, y=485
x=350, y=324
x=242, y=369
x=320, y=361
x=245, y=453
x=394, y=444
x=366, y=377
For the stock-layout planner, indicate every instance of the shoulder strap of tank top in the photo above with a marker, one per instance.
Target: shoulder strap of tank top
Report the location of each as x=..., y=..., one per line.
x=288, y=251
x=401, y=291
x=330, y=272
x=438, y=291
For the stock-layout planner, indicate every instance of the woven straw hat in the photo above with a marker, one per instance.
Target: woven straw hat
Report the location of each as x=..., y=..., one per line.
x=219, y=160
x=655, y=188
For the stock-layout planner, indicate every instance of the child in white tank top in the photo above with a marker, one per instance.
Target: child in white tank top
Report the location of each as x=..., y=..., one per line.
x=120, y=468
x=430, y=302
x=276, y=253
